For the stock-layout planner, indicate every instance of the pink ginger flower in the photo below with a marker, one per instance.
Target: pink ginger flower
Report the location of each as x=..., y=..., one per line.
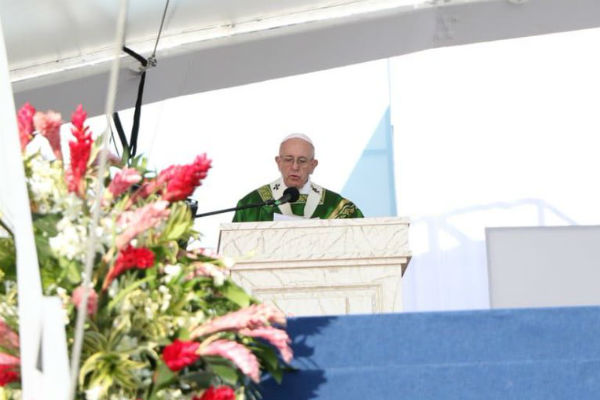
x=25, y=124
x=205, y=252
x=180, y=354
x=8, y=338
x=208, y=270
x=80, y=148
x=130, y=257
x=140, y=220
x=8, y=360
x=236, y=353
x=147, y=189
x=123, y=181
x=48, y=124
x=277, y=337
x=252, y=317
x=92, y=301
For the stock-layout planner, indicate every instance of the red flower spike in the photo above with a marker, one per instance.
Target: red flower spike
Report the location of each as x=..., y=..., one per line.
x=78, y=117
x=7, y=375
x=218, y=393
x=9, y=366
x=180, y=354
x=130, y=257
x=182, y=180
x=80, y=148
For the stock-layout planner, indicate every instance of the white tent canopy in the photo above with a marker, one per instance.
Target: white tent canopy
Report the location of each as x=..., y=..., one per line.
x=59, y=50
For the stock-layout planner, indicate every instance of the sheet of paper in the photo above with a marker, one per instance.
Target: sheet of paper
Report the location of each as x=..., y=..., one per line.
x=283, y=217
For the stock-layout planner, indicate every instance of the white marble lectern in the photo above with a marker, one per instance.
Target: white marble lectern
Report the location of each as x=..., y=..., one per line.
x=321, y=267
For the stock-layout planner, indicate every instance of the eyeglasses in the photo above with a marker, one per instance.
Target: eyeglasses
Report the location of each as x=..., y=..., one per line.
x=301, y=161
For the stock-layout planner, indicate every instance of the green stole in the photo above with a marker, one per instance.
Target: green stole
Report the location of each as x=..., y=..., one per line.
x=329, y=204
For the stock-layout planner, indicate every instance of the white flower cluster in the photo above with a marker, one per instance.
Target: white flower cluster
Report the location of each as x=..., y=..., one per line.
x=171, y=271
x=166, y=297
x=94, y=393
x=119, y=396
x=216, y=273
x=190, y=321
x=7, y=309
x=70, y=241
x=12, y=394
x=144, y=375
x=65, y=300
x=98, y=393
x=45, y=184
x=71, y=206
x=173, y=394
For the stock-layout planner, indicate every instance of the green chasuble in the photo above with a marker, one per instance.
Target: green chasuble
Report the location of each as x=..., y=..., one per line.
x=331, y=205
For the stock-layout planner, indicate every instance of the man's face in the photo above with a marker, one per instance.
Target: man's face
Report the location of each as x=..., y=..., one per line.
x=296, y=162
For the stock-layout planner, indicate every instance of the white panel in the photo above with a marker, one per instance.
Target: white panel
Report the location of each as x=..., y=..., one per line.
x=54, y=351
x=543, y=266
x=14, y=207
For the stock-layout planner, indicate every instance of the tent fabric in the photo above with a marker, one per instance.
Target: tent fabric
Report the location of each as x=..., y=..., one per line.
x=217, y=44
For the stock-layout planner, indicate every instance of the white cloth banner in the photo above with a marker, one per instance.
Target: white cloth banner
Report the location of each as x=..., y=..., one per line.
x=15, y=213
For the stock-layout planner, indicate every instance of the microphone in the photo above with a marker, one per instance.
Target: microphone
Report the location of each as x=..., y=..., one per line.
x=290, y=195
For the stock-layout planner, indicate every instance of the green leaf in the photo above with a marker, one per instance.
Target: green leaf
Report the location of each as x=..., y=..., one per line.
x=107, y=367
x=124, y=377
x=268, y=358
x=235, y=293
x=45, y=225
x=8, y=263
x=266, y=354
x=71, y=270
x=89, y=366
x=179, y=222
x=163, y=378
x=116, y=335
x=201, y=379
x=277, y=374
x=227, y=373
x=94, y=342
x=45, y=228
x=125, y=291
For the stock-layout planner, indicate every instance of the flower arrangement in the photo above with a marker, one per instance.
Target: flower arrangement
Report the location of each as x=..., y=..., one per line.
x=164, y=321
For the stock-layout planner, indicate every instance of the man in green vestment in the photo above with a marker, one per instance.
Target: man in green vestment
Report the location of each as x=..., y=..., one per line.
x=296, y=161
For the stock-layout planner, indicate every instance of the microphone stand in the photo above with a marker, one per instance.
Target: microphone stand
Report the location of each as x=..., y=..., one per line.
x=290, y=194
x=265, y=203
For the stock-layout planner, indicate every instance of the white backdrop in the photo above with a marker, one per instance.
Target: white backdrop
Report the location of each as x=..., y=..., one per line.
x=493, y=134
x=240, y=129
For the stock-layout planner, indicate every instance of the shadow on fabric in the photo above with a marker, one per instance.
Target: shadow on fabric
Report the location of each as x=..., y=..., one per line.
x=303, y=382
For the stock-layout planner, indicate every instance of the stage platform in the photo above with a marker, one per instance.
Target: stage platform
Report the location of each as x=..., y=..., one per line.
x=544, y=353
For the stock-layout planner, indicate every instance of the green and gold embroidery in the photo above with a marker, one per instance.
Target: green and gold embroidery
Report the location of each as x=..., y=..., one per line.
x=344, y=209
x=265, y=193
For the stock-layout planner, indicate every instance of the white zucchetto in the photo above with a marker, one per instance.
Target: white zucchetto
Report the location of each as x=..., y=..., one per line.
x=298, y=136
